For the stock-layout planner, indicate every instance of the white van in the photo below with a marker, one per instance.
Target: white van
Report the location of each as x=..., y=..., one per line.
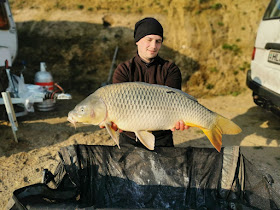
x=264, y=76
x=8, y=35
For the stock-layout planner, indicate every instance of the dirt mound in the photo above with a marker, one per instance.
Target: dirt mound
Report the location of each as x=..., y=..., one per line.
x=210, y=41
x=79, y=54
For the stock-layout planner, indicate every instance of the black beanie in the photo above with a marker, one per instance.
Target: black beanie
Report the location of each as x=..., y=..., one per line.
x=146, y=27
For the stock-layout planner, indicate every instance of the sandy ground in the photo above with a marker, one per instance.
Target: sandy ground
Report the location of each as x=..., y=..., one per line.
x=42, y=134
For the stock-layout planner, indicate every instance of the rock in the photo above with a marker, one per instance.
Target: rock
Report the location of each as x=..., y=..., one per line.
x=107, y=21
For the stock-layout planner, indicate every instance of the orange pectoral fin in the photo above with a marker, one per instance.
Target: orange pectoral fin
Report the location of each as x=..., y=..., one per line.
x=215, y=137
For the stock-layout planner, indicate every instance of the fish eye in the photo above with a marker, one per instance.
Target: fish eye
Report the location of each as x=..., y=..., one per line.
x=82, y=109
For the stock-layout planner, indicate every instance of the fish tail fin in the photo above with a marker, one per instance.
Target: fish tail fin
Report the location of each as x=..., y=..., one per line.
x=222, y=126
x=227, y=126
x=215, y=137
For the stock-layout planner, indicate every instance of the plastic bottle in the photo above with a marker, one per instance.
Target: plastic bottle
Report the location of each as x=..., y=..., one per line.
x=45, y=79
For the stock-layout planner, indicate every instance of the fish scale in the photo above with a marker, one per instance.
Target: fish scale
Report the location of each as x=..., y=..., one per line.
x=140, y=107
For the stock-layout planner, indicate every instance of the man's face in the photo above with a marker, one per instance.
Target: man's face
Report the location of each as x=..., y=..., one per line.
x=148, y=47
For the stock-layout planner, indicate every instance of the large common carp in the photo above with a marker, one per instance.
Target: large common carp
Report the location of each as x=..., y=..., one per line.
x=141, y=107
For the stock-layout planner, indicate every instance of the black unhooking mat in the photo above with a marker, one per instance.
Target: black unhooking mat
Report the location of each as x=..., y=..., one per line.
x=98, y=177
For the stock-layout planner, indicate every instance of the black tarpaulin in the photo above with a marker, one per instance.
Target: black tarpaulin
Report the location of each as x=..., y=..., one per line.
x=96, y=177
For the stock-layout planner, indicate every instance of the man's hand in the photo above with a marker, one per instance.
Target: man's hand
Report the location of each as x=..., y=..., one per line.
x=180, y=125
x=113, y=126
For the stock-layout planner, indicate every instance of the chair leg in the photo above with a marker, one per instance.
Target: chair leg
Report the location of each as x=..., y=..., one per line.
x=11, y=113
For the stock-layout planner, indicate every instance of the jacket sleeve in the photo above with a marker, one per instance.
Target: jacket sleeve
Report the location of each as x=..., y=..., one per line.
x=174, y=77
x=121, y=74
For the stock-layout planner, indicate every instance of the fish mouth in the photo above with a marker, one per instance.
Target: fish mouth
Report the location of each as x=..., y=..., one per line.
x=72, y=120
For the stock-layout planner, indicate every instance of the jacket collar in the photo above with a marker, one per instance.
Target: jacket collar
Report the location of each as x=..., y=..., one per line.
x=153, y=61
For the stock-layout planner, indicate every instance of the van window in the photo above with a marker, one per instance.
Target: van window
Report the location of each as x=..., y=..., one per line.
x=273, y=10
x=4, y=22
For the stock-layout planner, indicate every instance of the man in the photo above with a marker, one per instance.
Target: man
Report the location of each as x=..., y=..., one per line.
x=148, y=67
